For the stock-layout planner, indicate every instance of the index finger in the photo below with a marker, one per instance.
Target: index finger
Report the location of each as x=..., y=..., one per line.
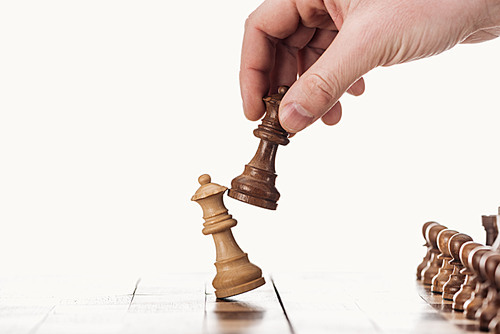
x=271, y=21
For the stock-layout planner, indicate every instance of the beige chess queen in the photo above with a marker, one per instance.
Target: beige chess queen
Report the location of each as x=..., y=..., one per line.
x=235, y=273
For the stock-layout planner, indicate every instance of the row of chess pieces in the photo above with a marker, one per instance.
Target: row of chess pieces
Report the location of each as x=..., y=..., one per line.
x=464, y=271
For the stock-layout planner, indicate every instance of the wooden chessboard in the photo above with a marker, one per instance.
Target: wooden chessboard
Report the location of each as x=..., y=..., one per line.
x=443, y=307
x=182, y=303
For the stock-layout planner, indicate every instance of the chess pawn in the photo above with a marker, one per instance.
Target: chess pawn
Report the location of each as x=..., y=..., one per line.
x=235, y=273
x=427, y=256
x=495, y=323
x=434, y=263
x=476, y=300
x=487, y=267
x=446, y=268
x=469, y=285
x=256, y=185
x=456, y=280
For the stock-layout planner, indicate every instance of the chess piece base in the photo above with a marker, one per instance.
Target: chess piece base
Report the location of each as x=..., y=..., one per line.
x=472, y=306
x=263, y=203
x=224, y=293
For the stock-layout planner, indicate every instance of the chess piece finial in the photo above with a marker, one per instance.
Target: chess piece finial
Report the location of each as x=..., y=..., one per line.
x=446, y=268
x=469, y=285
x=427, y=256
x=453, y=285
x=256, y=185
x=434, y=263
x=235, y=273
x=487, y=266
x=204, y=179
x=477, y=298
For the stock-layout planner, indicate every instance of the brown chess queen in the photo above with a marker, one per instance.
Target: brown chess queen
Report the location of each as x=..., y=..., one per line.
x=256, y=185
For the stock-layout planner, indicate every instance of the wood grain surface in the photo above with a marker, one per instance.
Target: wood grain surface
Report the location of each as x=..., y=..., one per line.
x=185, y=303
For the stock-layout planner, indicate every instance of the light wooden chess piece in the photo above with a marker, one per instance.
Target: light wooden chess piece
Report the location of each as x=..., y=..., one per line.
x=457, y=278
x=469, y=285
x=256, y=185
x=446, y=268
x=427, y=256
x=434, y=263
x=235, y=273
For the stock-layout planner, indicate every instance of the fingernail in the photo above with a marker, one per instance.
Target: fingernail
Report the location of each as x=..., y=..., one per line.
x=294, y=117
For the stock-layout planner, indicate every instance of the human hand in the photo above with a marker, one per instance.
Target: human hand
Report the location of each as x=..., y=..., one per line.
x=331, y=44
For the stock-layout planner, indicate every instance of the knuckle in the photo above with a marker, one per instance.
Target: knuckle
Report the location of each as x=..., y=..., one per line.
x=322, y=90
x=250, y=21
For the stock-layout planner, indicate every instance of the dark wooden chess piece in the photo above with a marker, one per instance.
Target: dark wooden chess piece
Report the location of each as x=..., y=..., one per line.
x=469, y=285
x=476, y=300
x=256, y=185
x=446, y=268
x=495, y=323
x=491, y=228
x=487, y=267
x=457, y=278
x=434, y=263
x=427, y=256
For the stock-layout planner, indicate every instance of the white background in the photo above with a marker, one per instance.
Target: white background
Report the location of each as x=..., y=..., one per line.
x=110, y=110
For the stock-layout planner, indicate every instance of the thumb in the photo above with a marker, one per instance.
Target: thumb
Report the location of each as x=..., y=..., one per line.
x=321, y=86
